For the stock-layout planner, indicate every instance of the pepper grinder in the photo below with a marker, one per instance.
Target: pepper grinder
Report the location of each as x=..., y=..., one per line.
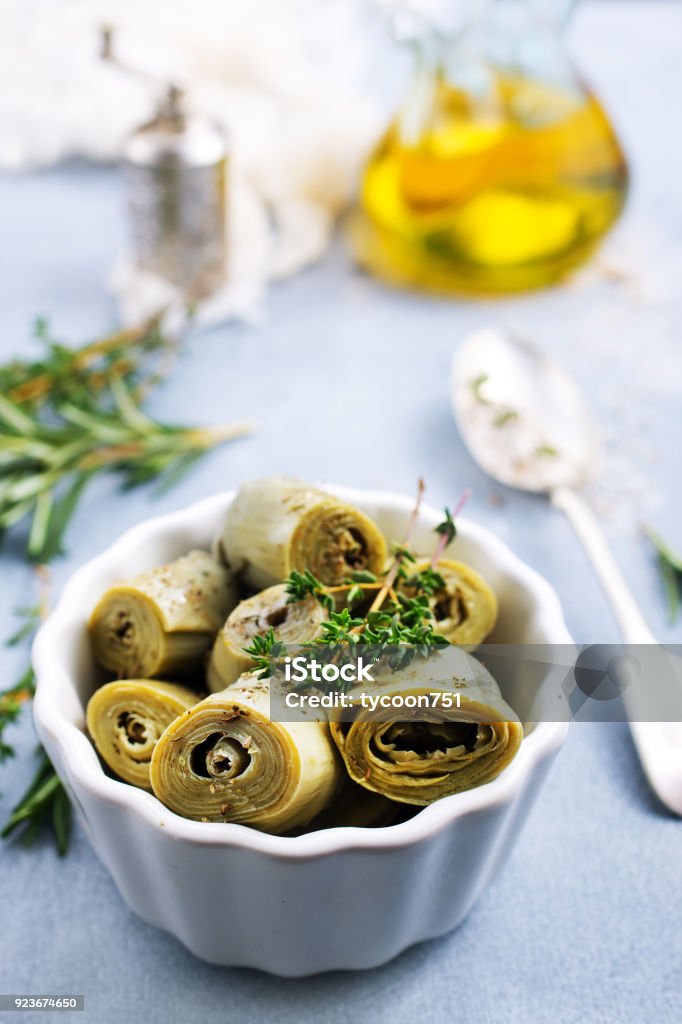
x=176, y=173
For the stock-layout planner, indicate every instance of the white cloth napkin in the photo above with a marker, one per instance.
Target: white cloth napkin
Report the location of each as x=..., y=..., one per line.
x=282, y=76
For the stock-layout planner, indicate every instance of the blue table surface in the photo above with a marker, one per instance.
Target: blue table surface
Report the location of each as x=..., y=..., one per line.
x=348, y=381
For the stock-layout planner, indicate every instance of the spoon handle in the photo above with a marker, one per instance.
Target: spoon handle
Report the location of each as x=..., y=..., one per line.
x=658, y=743
x=589, y=532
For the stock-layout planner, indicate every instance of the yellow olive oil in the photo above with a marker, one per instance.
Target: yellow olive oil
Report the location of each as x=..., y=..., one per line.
x=490, y=198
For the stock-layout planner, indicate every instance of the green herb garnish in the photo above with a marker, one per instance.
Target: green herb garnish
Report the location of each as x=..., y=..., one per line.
x=340, y=629
x=265, y=650
x=670, y=567
x=447, y=528
x=427, y=582
x=44, y=802
x=300, y=585
x=355, y=593
x=13, y=698
x=362, y=576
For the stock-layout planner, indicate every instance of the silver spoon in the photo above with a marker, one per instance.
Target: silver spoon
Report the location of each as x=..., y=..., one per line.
x=527, y=425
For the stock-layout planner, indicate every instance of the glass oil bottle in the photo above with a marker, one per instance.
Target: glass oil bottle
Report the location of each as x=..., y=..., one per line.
x=502, y=171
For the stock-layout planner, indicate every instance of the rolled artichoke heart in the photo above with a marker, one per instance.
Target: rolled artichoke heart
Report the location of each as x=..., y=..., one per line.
x=276, y=525
x=225, y=760
x=465, y=609
x=163, y=621
x=296, y=622
x=125, y=720
x=419, y=758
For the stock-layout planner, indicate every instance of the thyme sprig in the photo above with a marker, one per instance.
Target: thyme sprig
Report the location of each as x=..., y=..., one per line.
x=427, y=582
x=301, y=585
x=397, y=625
x=265, y=650
x=447, y=530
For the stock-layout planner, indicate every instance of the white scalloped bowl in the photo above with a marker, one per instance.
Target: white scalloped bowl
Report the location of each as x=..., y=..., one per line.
x=342, y=898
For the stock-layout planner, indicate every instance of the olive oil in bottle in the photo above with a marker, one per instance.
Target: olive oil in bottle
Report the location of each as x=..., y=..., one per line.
x=490, y=197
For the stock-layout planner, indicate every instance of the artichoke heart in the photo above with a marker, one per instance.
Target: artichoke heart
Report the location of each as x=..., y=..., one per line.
x=225, y=760
x=163, y=621
x=465, y=609
x=125, y=720
x=293, y=623
x=276, y=525
x=417, y=758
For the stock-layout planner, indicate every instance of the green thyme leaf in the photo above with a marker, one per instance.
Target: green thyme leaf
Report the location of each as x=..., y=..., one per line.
x=264, y=650
x=427, y=582
x=447, y=528
x=362, y=576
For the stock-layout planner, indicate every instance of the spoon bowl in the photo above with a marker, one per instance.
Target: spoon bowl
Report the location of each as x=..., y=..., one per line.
x=520, y=414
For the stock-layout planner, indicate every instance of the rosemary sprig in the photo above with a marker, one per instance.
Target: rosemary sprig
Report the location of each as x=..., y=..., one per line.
x=45, y=466
x=64, y=418
x=62, y=369
x=670, y=568
x=12, y=699
x=44, y=801
x=75, y=414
